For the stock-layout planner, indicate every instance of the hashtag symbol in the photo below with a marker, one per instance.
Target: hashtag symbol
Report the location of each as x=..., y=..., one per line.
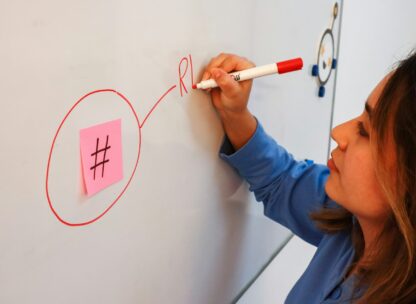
x=102, y=163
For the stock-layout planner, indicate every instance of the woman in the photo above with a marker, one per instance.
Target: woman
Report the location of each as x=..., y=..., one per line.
x=359, y=210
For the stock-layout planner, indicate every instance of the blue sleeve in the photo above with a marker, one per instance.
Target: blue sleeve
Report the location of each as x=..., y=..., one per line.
x=290, y=190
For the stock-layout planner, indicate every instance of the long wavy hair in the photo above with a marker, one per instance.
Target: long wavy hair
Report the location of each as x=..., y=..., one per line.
x=390, y=276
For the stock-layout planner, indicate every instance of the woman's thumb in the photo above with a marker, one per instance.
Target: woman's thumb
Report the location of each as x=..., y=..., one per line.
x=226, y=83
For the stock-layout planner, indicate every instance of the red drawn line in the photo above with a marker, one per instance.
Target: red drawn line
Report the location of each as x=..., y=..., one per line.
x=192, y=70
x=135, y=165
x=181, y=76
x=156, y=104
x=50, y=156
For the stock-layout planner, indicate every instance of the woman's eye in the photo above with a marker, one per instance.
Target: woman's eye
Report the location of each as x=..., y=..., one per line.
x=361, y=129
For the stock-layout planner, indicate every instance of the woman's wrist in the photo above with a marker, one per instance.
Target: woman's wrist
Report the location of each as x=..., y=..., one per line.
x=239, y=126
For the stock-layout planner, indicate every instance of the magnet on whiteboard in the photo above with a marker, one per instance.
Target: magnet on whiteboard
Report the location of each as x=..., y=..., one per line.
x=321, y=91
x=315, y=70
x=334, y=64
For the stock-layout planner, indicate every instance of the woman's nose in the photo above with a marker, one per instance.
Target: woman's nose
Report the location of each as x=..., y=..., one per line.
x=340, y=135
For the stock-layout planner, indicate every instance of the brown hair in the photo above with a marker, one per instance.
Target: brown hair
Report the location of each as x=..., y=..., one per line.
x=390, y=277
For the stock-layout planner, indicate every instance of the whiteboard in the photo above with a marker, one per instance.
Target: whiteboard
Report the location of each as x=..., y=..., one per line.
x=181, y=225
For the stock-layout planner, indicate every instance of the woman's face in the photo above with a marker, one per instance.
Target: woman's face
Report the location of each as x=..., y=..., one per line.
x=352, y=182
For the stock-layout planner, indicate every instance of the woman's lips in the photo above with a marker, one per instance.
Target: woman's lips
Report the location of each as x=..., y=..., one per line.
x=331, y=165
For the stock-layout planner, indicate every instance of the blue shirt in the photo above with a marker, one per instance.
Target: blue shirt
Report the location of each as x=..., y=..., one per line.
x=290, y=190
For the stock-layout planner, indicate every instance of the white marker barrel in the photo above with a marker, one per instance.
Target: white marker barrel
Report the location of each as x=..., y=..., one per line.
x=268, y=69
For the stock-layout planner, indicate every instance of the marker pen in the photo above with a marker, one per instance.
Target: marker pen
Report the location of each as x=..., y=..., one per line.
x=268, y=69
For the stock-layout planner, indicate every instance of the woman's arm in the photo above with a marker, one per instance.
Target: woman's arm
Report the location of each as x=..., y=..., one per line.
x=289, y=189
x=230, y=99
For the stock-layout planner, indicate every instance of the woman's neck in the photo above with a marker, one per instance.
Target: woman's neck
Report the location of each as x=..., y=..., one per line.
x=371, y=231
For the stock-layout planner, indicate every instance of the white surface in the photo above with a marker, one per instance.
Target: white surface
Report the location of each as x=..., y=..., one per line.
x=186, y=230
x=278, y=279
x=375, y=35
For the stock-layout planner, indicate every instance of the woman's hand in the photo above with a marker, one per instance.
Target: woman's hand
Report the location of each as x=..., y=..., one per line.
x=230, y=99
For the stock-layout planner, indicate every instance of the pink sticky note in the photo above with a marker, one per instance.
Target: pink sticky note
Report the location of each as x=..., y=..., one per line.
x=101, y=155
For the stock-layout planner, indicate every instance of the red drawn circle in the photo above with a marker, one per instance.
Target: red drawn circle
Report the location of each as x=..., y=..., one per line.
x=52, y=147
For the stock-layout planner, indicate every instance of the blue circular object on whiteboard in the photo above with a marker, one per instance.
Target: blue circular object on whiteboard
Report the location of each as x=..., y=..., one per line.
x=326, y=61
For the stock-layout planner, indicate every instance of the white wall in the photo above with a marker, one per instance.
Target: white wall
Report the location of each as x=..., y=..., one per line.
x=374, y=35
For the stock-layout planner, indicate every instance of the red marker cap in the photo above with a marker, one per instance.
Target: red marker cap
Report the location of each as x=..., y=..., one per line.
x=289, y=65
